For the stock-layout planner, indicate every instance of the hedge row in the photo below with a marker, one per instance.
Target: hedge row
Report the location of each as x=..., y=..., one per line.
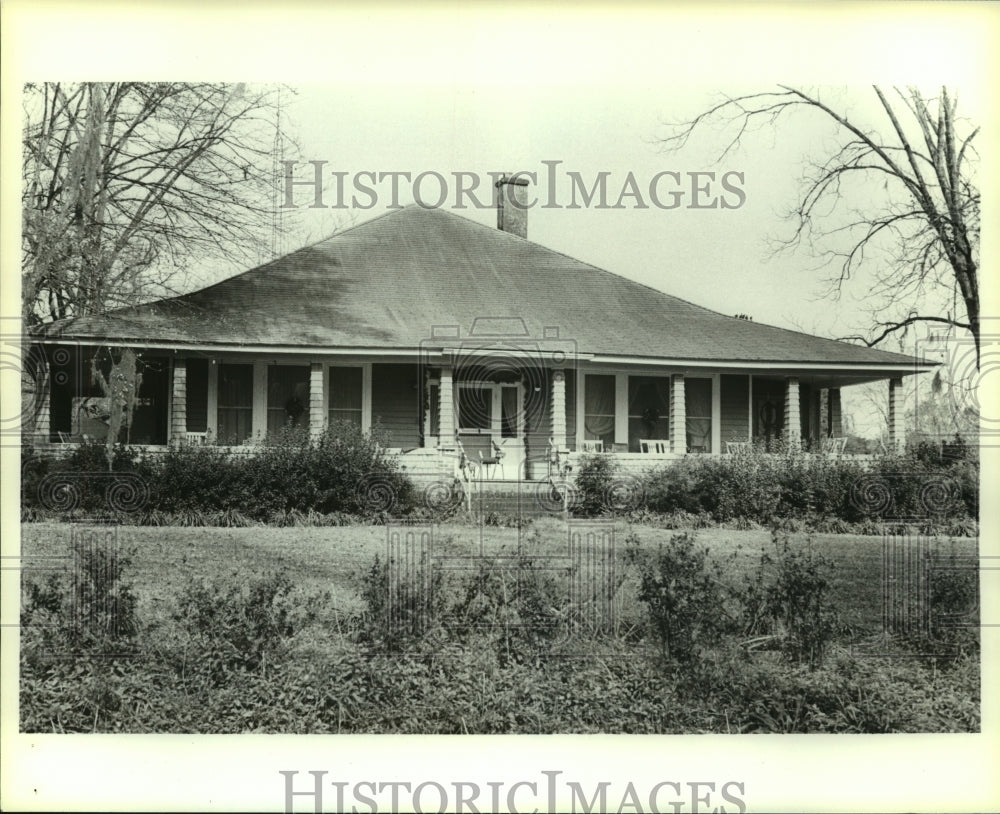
x=760, y=488
x=343, y=471
x=346, y=473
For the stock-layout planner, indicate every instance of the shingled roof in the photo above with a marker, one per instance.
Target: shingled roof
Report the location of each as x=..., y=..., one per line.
x=385, y=283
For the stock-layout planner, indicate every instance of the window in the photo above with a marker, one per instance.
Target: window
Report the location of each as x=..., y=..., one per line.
x=648, y=409
x=475, y=408
x=197, y=395
x=287, y=397
x=698, y=409
x=508, y=410
x=235, y=414
x=345, y=394
x=599, y=410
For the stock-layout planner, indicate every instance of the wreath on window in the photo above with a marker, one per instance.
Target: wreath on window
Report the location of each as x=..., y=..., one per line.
x=294, y=408
x=650, y=416
x=769, y=417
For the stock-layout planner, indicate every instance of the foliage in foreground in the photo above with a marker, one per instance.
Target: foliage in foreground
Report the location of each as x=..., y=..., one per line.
x=504, y=649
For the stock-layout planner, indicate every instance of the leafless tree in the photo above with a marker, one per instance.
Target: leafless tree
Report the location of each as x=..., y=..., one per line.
x=125, y=184
x=898, y=198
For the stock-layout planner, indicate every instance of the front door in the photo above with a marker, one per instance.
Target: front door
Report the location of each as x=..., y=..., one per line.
x=490, y=416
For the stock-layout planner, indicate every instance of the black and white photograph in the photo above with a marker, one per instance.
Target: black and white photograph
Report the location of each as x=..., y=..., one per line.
x=464, y=379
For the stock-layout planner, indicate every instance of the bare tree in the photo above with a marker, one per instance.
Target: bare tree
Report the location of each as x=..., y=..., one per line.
x=901, y=202
x=124, y=184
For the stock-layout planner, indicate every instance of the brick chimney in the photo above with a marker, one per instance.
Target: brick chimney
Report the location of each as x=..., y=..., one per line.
x=512, y=204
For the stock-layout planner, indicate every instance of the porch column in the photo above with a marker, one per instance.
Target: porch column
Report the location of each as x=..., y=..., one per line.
x=317, y=421
x=793, y=418
x=678, y=415
x=178, y=401
x=824, y=412
x=896, y=437
x=559, y=410
x=259, y=414
x=446, y=410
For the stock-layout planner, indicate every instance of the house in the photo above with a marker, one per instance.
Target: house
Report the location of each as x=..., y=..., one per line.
x=443, y=331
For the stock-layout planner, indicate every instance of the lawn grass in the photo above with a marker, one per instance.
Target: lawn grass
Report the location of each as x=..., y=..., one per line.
x=334, y=558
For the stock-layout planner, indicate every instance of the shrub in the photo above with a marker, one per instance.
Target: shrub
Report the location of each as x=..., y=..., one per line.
x=515, y=606
x=89, y=617
x=594, y=482
x=342, y=471
x=788, y=598
x=86, y=474
x=684, y=596
x=34, y=468
x=404, y=602
x=758, y=488
x=238, y=628
x=103, y=604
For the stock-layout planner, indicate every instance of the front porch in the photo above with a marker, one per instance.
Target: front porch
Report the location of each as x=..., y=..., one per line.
x=511, y=422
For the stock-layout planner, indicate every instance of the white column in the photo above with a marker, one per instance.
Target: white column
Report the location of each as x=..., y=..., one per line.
x=366, y=397
x=558, y=409
x=678, y=415
x=178, y=401
x=213, y=400
x=824, y=413
x=317, y=398
x=716, y=414
x=896, y=437
x=259, y=419
x=446, y=410
x=793, y=418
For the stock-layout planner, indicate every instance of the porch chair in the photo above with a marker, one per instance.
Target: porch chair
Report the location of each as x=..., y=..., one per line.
x=735, y=447
x=835, y=446
x=592, y=446
x=69, y=438
x=653, y=446
x=489, y=465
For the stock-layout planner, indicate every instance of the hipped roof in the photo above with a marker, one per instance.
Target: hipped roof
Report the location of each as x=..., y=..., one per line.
x=389, y=282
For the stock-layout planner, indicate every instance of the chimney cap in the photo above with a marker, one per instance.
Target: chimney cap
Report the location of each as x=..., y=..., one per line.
x=516, y=178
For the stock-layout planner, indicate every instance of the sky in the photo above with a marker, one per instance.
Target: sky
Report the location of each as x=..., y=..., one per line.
x=722, y=258
x=718, y=258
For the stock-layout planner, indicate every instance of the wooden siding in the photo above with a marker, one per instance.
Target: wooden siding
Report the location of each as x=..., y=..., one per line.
x=735, y=412
x=395, y=403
